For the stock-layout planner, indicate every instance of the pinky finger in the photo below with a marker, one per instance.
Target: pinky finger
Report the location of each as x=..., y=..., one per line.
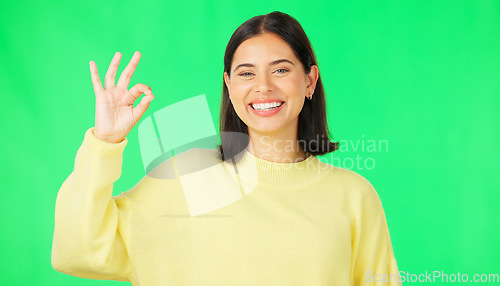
x=96, y=82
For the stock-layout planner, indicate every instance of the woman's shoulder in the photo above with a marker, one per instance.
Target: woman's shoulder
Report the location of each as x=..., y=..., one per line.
x=348, y=180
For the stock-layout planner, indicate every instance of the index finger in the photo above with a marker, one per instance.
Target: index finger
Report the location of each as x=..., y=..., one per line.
x=127, y=73
x=96, y=82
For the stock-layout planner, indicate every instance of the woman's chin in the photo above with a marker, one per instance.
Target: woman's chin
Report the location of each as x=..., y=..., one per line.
x=263, y=129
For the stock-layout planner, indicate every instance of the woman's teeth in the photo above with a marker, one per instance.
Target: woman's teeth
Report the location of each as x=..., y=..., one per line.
x=266, y=106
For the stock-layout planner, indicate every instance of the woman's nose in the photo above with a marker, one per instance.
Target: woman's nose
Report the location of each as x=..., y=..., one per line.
x=263, y=83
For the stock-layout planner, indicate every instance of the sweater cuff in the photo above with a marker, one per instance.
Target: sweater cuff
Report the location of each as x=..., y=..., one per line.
x=100, y=148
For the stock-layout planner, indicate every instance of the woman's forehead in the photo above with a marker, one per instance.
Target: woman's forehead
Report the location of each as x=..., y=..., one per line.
x=263, y=49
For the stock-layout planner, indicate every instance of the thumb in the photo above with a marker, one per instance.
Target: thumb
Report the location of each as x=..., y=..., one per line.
x=142, y=106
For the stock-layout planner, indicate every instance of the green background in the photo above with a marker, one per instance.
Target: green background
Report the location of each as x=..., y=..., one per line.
x=422, y=75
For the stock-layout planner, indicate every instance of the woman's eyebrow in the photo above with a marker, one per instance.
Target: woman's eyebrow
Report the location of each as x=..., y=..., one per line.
x=271, y=64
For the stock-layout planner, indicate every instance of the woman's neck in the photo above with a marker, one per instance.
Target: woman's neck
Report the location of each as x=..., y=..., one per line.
x=278, y=147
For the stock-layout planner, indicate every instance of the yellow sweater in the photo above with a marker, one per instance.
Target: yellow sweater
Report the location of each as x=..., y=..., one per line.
x=254, y=222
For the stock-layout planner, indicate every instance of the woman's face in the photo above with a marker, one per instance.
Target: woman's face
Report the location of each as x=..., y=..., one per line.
x=266, y=70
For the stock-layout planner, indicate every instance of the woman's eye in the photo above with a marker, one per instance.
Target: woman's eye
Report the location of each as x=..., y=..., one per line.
x=245, y=74
x=282, y=70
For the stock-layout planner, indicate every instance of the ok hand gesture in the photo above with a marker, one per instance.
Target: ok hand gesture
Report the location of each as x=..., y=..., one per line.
x=115, y=115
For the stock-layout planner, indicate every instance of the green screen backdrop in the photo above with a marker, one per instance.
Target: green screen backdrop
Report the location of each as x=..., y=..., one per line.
x=413, y=92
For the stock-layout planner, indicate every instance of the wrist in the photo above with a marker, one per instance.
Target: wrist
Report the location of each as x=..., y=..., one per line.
x=107, y=139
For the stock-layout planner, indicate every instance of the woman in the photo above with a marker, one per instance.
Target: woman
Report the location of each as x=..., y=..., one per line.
x=282, y=217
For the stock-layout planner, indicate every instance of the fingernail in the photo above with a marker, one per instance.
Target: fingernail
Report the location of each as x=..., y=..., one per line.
x=149, y=91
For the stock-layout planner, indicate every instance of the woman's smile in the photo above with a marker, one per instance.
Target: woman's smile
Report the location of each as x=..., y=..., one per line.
x=266, y=107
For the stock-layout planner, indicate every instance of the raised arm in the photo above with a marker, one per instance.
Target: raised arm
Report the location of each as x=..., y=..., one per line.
x=89, y=234
x=90, y=225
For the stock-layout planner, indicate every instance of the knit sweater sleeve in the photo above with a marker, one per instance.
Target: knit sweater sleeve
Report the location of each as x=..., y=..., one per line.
x=373, y=257
x=90, y=225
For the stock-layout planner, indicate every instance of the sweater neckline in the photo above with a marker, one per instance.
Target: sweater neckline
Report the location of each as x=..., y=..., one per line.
x=255, y=169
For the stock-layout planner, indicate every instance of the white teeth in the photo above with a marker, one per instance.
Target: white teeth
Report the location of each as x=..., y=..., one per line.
x=266, y=106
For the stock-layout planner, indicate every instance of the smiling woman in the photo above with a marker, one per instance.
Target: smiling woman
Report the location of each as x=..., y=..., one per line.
x=268, y=94
x=269, y=70
x=260, y=210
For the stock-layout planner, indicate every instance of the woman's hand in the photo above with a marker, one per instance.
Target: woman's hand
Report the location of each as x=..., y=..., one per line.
x=115, y=115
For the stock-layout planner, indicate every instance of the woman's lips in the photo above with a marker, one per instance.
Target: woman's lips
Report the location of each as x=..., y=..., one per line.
x=267, y=113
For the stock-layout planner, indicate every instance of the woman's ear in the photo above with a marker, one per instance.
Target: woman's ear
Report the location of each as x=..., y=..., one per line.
x=312, y=79
x=226, y=81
